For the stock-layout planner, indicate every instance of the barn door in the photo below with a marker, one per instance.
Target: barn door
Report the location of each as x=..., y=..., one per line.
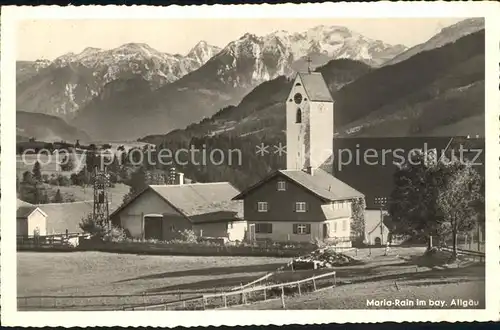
x=153, y=227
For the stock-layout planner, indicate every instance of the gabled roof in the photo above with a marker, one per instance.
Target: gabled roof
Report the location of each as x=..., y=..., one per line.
x=199, y=202
x=24, y=209
x=62, y=216
x=315, y=87
x=321, y=184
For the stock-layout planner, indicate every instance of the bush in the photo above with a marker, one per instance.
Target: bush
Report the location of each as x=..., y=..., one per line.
x=102, y=232
x=63, y=180
x=90, y=226
x=115, y=234
x=188, y=236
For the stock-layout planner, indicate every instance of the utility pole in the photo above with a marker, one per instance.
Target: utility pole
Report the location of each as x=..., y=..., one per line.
x=101, y=205
x=381, y=202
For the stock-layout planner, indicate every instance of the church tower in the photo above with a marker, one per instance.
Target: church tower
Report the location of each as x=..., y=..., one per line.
x=309, y=123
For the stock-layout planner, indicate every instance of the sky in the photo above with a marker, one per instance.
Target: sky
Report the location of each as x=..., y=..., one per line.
x=48, y=39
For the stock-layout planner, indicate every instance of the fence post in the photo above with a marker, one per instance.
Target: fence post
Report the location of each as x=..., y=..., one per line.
x=298, y=284
x=225, y=301
x=265, y=297
x=203, y=301
x=314, y=284
x=283, y=297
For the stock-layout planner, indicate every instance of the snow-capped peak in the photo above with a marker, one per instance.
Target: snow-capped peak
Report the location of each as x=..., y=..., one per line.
x=276, y=53
x=202, y=52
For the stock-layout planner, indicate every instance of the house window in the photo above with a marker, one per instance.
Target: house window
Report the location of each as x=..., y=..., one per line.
x=264, y=228
x=262, y=206
x=229, y=225
x=281, y=185
x=335, y=227
x=344, y=225
x=298, y=116
x=300, y=206
x=302, y=228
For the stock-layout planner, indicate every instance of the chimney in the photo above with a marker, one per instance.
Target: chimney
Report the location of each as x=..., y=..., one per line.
x=180, y=179
x=309, y=170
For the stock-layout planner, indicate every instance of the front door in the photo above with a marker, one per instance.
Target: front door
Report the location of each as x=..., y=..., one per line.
x=153, y=227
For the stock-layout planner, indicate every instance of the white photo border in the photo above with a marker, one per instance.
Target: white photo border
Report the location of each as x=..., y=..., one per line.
x=10, y=15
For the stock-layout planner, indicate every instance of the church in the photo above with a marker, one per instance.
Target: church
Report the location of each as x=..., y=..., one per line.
x=304, y=202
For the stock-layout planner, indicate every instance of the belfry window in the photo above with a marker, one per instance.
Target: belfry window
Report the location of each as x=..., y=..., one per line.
x=298, y=117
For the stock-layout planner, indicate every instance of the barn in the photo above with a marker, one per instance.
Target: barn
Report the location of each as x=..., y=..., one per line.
x=30, y=219
x=162, y=212
x=51, y=219
x=66, y=217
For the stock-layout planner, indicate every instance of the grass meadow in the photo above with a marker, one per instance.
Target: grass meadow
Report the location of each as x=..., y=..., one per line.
x=107, y=281
x=99, y=281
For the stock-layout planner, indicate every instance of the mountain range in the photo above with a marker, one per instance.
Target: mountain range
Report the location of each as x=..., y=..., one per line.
x=448, y=34
x=134, y=91
x=51, y=128
x=437, y=92
x=106, y=93
x=61, y=87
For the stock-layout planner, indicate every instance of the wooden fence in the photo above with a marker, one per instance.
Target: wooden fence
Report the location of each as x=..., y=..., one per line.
x=48, y=241
x=253, y=283
x=244, y=296
x=471, y=253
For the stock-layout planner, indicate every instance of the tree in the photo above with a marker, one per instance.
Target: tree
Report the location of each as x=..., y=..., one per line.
x=81, y=178
x=358, y=219
x=57, y=198
x=458, y=199
x=415, y=205
x=67, y=164
x=100, y=231
x=28, y=177
x=37, y=171
x=412, y=203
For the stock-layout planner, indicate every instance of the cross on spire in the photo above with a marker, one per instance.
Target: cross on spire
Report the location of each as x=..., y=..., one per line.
x=309, y=64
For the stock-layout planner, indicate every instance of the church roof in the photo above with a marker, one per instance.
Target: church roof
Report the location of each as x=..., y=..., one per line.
x=320, y=183
x=315, y=87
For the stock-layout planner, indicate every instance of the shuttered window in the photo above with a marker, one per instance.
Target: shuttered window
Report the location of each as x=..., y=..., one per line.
x=281, y=185
x=264, y=228
x=301, y=228
x=262, y=206
x=300, y=207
